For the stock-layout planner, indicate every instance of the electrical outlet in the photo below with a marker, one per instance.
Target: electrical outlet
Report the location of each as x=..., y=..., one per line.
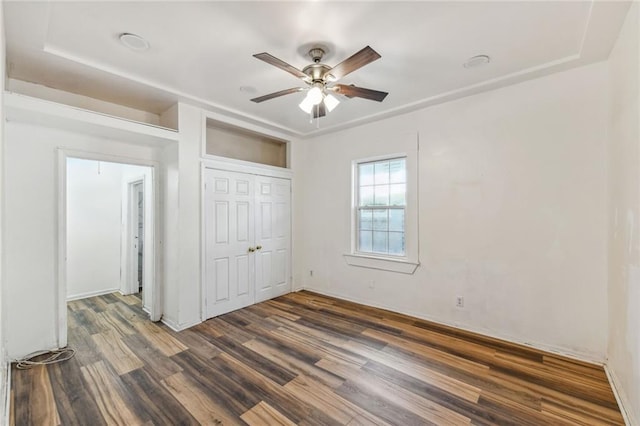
x=372, y=284
x=459, y=301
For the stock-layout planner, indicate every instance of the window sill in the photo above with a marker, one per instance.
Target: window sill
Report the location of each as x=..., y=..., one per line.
x=382, y=263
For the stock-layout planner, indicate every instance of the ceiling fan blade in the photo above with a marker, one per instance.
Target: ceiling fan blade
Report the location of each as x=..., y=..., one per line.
x=357, y=60
x=352, y=91
x=270, y=59
x=277, y=94
x=319, y=110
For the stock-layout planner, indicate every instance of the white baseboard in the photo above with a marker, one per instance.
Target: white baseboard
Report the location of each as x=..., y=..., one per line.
x=177, y=327
x=578, y=356
x=91, y=294
x=621, y=397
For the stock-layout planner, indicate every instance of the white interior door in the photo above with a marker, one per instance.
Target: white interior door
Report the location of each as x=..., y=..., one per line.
x=273, y=237
x=133, y=236
x=137, y=224
x=229, y=235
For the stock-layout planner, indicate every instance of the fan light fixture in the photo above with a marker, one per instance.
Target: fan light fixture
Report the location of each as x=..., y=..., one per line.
x=316, y=96
x=321, y=80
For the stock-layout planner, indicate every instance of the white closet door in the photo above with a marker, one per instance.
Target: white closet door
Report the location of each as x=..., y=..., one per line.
x=273, y=237
x=229, y=233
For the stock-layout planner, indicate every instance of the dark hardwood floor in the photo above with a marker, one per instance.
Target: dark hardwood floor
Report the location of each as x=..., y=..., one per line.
x=300, y=359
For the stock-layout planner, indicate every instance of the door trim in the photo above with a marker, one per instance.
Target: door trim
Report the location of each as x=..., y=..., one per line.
x=239, y=166
x=61, y=233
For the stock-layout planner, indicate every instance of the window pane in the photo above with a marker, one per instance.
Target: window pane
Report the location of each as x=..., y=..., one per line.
x=366, y=196
x=381, y=195
x=366, y=219
x=365, y=241
x=381, y=172
x=396, y=220
x=380, y=242
x=396, y=243
x=380, y=221
x=398, y=170
x=365, y=174
x=397, y=194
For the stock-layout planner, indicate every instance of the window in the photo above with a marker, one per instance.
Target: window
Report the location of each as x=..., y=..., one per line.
x=384, y=208
x=381, y=203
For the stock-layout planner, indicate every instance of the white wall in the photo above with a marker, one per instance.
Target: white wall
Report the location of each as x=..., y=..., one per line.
x=181, y=251
x=170, y=185
x=93, y=227
x=624, y=215
x=30, y=226
x=95, y=224
x=3, y=358
x=191, y=125
x=2, y=84
x=182, y=301
x=512, y=190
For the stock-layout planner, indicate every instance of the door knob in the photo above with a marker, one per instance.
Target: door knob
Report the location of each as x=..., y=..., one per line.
x=251, y=249
x=258, y=247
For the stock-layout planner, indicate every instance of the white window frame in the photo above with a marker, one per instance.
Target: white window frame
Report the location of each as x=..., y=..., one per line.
x=404, y=264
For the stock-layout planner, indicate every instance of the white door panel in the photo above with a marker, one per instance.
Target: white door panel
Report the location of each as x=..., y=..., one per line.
x=229, y=227
x=273, y=236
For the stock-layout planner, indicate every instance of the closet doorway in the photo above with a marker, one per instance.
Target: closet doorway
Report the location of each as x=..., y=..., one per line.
x=247, y=227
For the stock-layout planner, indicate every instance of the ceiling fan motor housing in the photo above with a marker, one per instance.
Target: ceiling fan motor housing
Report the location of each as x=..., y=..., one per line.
x=316, y=72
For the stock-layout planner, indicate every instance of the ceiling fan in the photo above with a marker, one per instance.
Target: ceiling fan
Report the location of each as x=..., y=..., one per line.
x=321, y=80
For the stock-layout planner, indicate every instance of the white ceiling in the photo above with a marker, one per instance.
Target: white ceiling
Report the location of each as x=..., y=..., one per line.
x=201, y=52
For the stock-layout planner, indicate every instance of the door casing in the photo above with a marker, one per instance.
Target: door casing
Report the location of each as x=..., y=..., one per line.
x=153, y=252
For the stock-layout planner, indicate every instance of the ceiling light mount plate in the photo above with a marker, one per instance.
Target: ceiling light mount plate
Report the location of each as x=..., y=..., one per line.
x=477, y=61
x=306, y=50
x=134, y=42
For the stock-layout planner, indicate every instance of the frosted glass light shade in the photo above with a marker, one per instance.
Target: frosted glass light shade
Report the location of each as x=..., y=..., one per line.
x=315, y=95
x=331, y=102
x=306, y=105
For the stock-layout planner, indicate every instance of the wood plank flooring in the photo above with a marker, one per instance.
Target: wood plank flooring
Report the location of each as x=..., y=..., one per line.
x=301, y=359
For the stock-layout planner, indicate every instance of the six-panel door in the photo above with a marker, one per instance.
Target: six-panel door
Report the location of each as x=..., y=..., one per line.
x=229, y=234
x=273, y=237
x=248, y=239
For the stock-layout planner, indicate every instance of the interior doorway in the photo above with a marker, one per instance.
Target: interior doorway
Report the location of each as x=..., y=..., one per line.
x=138, y=210
x=134, y=238
x=107, y=227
